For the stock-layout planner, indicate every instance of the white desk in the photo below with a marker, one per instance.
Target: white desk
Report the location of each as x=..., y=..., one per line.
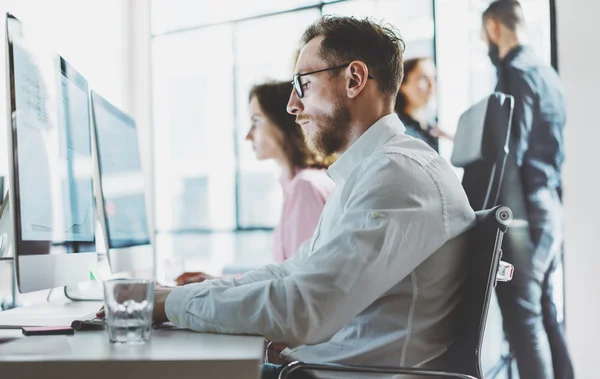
x=169, y=354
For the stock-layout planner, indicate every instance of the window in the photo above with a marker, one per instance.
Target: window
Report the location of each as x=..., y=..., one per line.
x=173, y=15
x=265, y=50
x=193, y=126
x=414, y=20
x=212, y=196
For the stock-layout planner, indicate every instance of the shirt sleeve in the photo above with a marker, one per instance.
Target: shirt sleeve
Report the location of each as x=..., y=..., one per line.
x=301, y=215
x=523, y=113
x=380, y=238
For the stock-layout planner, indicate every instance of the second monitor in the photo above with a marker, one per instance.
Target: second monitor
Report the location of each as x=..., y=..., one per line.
x=120, y=190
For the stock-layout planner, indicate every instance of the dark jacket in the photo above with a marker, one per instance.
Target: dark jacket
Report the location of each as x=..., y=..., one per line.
x=533, y=176
x=414, y=129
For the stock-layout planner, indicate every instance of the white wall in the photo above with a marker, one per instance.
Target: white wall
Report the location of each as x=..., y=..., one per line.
x=578, y=37
x=92, y=35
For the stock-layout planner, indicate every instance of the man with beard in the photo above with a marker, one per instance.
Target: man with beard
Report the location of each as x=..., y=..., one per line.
x=380, y=281
x=532, y=189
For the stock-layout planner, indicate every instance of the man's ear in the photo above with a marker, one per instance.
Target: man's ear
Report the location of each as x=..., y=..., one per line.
x=357, y=75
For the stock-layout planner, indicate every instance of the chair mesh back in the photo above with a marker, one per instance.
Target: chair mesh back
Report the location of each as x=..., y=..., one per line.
x=483, y=177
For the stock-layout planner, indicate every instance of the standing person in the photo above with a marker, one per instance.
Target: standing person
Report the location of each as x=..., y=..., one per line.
x=532, y=188
x=381, y=279
x=414, y=98
x=275, y=135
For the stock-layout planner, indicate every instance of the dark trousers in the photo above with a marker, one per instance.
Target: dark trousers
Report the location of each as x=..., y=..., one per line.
x=528, y=305
x=563, y=368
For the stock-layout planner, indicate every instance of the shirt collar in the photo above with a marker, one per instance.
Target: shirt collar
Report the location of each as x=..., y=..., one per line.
x=512, y=54
x=367, y=144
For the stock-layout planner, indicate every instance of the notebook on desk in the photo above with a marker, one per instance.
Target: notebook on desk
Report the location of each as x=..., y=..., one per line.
x=48, y=314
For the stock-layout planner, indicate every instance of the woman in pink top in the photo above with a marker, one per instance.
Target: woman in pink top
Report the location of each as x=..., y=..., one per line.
x=274, y=134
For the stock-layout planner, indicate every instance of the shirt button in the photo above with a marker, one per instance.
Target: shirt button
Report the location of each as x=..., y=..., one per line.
x=175, y=320
x=375, y=215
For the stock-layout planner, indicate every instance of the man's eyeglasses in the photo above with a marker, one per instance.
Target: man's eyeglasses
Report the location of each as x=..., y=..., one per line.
x=298, y=85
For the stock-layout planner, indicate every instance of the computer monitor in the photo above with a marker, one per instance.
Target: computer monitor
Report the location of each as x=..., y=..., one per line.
x=49, y=216
x=120, y=191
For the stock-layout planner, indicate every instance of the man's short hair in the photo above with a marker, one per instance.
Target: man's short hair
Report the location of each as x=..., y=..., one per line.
x=347, y=39
x=508, y=12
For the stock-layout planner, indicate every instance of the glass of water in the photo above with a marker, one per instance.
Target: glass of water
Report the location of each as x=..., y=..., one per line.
x=128, y=304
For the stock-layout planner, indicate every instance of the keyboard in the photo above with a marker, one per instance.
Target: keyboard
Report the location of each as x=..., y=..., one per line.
x=99, y=323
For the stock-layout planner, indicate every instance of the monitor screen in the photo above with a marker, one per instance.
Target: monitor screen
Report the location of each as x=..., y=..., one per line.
x=121, y=175
x=52, y=153
x=51, y=168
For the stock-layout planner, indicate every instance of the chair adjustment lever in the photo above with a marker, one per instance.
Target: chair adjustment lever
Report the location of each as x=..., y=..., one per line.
x=505, y=272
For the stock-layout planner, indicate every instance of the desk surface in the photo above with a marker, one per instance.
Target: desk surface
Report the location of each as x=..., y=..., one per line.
x=164, y=345
x=170, y=353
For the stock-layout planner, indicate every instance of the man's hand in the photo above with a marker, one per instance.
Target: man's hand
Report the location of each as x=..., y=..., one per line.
x=192, y=277
x=160, y=297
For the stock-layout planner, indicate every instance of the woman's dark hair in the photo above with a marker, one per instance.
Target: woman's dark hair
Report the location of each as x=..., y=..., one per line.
x=409, y=66
x=273, y=98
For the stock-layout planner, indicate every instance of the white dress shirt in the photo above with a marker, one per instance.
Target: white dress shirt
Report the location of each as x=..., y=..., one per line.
x=380, y=280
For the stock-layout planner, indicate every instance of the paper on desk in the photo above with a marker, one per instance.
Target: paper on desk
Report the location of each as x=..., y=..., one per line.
x=38, y=345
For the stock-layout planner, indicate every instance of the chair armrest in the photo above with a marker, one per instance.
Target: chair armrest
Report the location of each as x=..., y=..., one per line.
x=268, y=351
x=295, y=366
x=272, y=351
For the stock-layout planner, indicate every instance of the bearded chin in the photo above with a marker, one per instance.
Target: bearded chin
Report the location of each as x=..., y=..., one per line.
x=332, y=135
x=323, y=142
x=313, y=144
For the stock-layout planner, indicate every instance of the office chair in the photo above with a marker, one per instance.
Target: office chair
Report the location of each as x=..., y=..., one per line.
x=484, y=269
x=481, y=147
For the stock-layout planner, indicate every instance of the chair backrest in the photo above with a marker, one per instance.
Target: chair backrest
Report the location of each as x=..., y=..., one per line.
x=481, y=146
x=483, y=258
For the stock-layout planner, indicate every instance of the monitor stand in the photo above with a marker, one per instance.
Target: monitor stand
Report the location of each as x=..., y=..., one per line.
x=6, y=231
x=56, y=313
x=6, y=250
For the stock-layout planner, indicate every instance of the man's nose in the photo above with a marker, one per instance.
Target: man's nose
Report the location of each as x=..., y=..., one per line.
x=294, y=105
